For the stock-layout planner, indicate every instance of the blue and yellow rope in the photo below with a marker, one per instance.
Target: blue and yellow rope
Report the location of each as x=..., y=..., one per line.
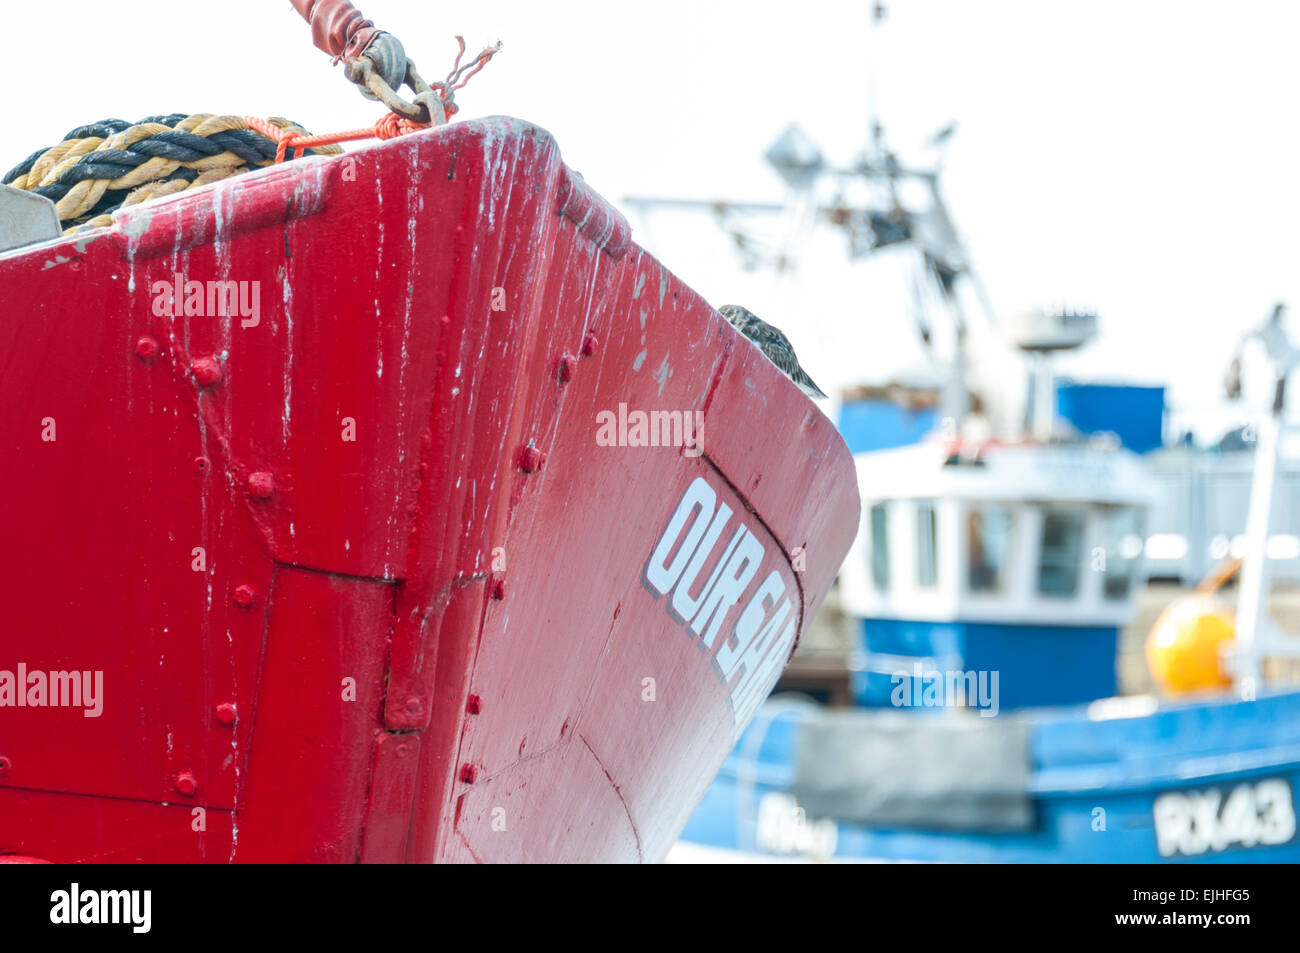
x=110, y=164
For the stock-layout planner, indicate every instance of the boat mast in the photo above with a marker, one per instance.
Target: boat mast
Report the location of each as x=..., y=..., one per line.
x=1256, y=636
x=882, y=219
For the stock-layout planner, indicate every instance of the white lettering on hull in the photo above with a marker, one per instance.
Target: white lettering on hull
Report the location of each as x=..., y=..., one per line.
x=709, y=563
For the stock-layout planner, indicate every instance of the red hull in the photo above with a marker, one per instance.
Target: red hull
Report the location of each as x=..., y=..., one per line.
x=427, y=643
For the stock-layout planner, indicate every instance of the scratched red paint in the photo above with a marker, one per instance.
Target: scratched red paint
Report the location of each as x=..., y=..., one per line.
x=343, y=603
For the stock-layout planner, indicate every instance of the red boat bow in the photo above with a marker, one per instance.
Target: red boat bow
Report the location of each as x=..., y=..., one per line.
x=359, y=570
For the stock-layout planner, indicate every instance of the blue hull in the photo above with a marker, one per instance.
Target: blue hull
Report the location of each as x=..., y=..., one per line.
x=1224, y=772
x=1027, y=659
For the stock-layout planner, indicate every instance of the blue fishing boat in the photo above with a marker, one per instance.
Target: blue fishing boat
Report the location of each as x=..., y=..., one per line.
x=988, y=588
x=1112, y=782
x=1009, y=524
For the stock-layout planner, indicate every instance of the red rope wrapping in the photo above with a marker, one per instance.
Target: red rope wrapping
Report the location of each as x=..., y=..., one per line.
x=337, y=27
x=390, y=126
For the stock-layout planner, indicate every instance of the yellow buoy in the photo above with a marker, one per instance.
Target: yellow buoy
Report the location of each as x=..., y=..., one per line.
x=1184, y=646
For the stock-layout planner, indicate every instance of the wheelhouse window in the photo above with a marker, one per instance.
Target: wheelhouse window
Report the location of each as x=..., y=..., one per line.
x=1122, y=542
x=1061, y=552
x=927, y=569
x=989, y=533
x=880, y=546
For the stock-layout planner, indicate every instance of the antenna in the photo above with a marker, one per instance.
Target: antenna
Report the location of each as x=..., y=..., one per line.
x=878, y=14
x=876, y=205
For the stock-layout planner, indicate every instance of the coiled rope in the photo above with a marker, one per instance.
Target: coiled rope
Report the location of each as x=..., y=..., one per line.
x=112, y=164
x=107, y=165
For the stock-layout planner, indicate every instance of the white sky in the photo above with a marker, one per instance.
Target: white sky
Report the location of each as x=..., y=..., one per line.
x=1139, y=158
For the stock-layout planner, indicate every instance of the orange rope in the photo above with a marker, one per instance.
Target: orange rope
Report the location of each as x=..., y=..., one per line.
x=389, y=127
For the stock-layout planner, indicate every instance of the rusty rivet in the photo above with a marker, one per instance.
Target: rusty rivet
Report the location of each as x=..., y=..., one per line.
x=206, y=371
x=184, y=783
x=589, y=345
x=244, y=596
x=261, y=485
x=499, y=589
x=531, y=458
x=469, y=773
x=226, y=713
x=5, y=765
x=474, y=704
x=201, y=466
x=146, y=349
x=564, y=369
